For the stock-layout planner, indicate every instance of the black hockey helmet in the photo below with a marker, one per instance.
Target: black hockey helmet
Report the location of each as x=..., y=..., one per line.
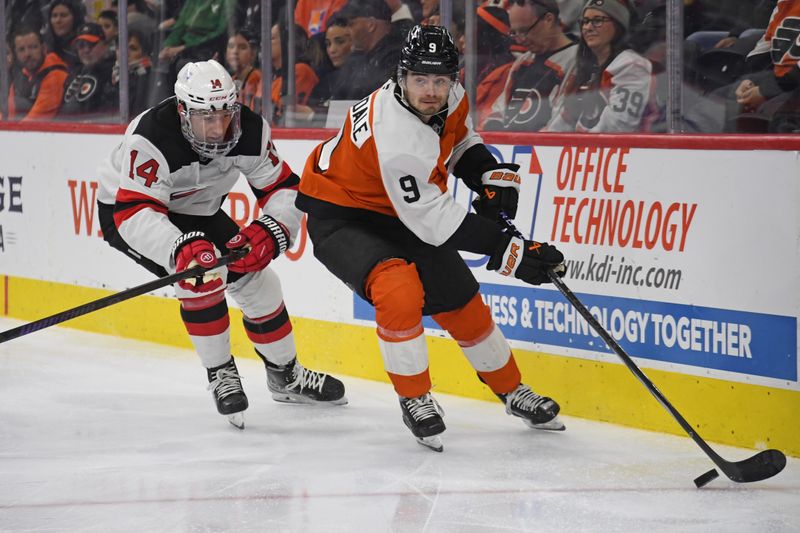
x=429, y=50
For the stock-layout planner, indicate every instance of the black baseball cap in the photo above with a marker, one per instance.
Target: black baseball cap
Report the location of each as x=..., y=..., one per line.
x=91, y=32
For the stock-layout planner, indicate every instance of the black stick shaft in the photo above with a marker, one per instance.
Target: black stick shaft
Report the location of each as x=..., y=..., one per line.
x=586, y=314
x=509, y=226
x=106, y=301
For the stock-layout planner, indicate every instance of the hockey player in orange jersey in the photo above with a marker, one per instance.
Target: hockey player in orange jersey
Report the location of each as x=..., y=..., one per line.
x=382, y=221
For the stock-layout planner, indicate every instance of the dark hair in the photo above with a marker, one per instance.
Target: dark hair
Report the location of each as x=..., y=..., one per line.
x=146, y=44
x=110, y=15
x=24, y=30
x=76, y=8
x=306, y=50
x=337, y=20
x=250, y=36
x=541, y=7
x=62, y=45
x=587, y=70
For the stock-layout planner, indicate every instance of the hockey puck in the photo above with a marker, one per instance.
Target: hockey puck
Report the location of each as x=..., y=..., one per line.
x=706, y=478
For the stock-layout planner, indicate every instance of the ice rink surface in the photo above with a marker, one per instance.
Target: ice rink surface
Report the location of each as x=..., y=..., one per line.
x=99, y=434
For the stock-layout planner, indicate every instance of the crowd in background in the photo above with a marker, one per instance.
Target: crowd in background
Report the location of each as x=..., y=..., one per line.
x=540, y=65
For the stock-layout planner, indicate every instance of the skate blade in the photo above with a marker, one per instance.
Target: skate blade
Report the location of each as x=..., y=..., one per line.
x=434, y=443
x=237, y=420
x=553, y=425
x=290, y=397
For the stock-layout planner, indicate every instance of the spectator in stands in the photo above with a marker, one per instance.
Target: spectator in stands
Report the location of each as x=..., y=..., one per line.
x=306, y=58
x=37, y=78
x=375, y=49
x=199, y=32
x=529, y=86
x=65, y=17
x=90, y=95
x=241, y=57
x=608, y=89
x=108, y=21
x=140, y=73
x=338, y=43
x=759, y=95
x=493, y=40
x=313, y=15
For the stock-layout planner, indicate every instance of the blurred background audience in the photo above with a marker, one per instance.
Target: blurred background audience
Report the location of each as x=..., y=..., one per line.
x=540, y=64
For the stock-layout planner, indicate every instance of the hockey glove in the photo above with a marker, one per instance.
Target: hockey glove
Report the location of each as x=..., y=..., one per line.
x=265, y=237
x=499, y=191
x=526, y=260
x=192, y=249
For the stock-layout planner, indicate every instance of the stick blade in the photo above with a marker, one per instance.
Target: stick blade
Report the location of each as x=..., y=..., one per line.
x=762, y=465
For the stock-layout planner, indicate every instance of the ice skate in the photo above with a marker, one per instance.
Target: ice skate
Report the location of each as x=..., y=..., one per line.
x=293, y=383
x=423, y=416
x=226, y=387
x=538, y=412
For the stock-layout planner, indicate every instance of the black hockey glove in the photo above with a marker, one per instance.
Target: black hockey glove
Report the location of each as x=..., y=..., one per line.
x=526, y=260
x=499, y=191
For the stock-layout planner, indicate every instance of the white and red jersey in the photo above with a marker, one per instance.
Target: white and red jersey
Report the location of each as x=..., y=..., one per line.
x=386, y=160
x=154, y=171
x=616, y=104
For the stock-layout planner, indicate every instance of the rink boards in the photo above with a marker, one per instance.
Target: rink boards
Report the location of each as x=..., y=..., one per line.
x=689, y=258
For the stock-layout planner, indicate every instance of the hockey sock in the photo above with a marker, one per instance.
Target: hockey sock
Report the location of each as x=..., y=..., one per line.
x=396, y=291
x=483, y=344
x=208, y=324
x=272, y=336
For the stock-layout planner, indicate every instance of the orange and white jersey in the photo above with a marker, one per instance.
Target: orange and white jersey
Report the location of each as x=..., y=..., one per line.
x=386, y=160
x=782, y=39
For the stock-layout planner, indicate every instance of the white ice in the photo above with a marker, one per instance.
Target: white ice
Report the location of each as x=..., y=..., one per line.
x=100, y=434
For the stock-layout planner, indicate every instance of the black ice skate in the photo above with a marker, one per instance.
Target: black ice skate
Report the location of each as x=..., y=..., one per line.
x=293, y=383
x=228, y=394
x=423, y=416
x=538, y=412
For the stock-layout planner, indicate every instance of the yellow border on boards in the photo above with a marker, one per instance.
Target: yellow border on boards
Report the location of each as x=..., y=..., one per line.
x=733, y=413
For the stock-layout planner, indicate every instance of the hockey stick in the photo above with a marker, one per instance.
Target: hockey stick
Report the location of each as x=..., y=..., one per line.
x=106, y=301
x=762, y=465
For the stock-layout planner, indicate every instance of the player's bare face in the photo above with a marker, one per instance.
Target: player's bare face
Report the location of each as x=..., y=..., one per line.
x=211, y=126
x=427, y=93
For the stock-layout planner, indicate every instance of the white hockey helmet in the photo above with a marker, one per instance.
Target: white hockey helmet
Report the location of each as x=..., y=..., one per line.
x=210, y=115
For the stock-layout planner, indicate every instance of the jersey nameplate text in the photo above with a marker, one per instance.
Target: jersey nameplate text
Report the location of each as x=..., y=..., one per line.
x=359, y=118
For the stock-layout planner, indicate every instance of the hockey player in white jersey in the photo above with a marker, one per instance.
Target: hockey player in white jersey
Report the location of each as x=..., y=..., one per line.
x=160, y=203
x=381, y=220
